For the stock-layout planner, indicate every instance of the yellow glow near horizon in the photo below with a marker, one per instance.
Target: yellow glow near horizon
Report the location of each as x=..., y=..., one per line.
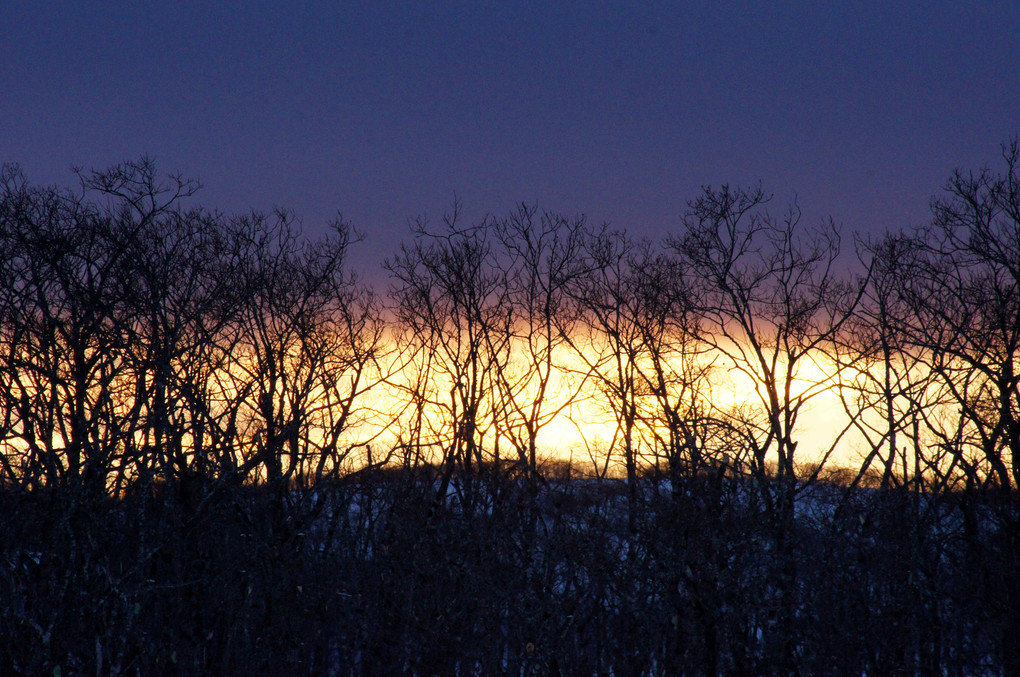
x=584, y=430
x=588, y=424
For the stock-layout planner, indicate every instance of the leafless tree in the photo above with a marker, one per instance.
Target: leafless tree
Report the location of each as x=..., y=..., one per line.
x=885, y=383
x=451, y=303
x=675, y=367
x=963, y=295
x=771, y=306
x=607, y=342
x=542, y=254
x=956, y=317
x=68, y=377
x=303, y=354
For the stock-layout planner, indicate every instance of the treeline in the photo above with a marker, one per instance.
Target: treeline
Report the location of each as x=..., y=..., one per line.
x=144, y=339
x=201, y=411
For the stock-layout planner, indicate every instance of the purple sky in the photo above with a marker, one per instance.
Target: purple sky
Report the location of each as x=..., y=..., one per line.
x=617, y=110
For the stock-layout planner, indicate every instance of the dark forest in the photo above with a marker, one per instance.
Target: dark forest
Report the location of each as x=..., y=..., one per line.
x=224, y=451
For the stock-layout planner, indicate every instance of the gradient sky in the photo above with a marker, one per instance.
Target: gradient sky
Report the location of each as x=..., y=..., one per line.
x=620, y=110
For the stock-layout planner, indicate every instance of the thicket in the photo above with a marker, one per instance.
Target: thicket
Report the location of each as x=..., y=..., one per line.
x=222, y=452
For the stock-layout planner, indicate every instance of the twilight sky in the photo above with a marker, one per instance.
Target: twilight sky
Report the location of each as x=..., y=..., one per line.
x=620, y=110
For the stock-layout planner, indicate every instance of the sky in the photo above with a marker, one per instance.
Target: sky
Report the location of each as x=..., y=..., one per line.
x=385, y=111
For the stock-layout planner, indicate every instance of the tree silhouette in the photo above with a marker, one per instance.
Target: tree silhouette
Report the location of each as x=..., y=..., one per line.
x=221, y=452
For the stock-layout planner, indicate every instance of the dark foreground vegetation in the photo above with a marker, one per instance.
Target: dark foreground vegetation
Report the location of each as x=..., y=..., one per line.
x=223, y=453
x=375, y=576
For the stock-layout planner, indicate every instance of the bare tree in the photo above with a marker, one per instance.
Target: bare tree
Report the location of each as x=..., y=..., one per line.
x=68, y=326
x=607, y=342
x=542, y=254
x=451, y=304
x=771, y=307
x=885, y=382
x=963, y=296
x=957, y=316
x=307, y=337
x=674, y=365
x=175, y=278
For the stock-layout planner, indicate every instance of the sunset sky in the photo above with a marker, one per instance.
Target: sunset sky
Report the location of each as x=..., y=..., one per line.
x=384, y=111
